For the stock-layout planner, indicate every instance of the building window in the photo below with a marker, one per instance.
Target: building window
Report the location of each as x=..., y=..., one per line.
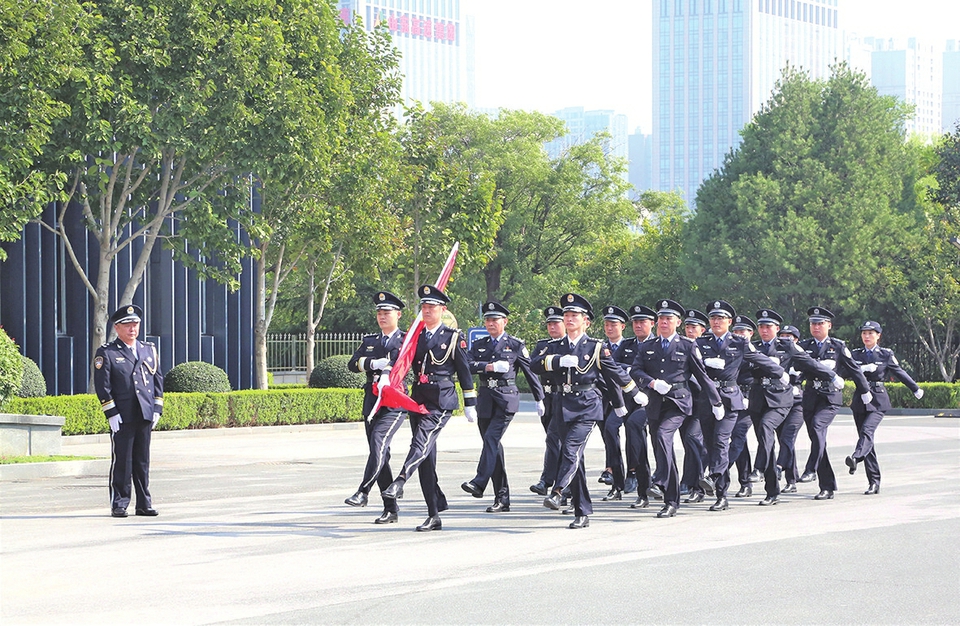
x=693, y=7
x=707, y=8
x=678, y=8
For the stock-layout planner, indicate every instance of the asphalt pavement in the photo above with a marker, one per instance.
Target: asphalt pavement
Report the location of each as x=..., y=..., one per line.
x=253, y=530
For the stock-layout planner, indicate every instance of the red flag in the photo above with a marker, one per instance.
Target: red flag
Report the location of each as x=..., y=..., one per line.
x=394, y=396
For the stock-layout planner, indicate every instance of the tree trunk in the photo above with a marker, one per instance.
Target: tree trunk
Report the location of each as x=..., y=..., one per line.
x=492, y=274
x=260, y=323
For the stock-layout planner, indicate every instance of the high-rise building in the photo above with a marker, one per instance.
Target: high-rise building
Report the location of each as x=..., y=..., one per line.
x=951, y=86
x=641, y=166
x=435, y=42
x=913, y=72
x=583, y=125
x=715, y=62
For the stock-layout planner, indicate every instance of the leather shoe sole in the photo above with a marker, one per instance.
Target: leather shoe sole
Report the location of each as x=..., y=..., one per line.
x=148, y=512
x=706, y=483
x=472, y=489
x=386, y=518
x=851, y=463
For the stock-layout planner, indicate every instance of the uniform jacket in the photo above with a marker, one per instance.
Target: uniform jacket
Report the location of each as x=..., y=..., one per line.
x=128, y=384
x=371, y=347
x=676, y=365
x=624, y=355
x=738, y=354
x=887, y=367
x=436, y=361
x=770, y=392
x=835, y=355
x=496, y=388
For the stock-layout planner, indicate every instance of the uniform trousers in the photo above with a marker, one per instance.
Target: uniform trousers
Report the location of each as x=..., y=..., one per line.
x=668, y=423
x=638, y=459
x=610, y=431
x=739, y=449
x=766, y=428
x=548, y=411
x=572, y=474
x=787, y=433
x=380, y=432
x=130, y=462
x=759, y=462
x=818, y=414
x=423, y=456
x=694, y=451
x=717, y=434
x=551, y=455
x=867, y=423
x=491, y=465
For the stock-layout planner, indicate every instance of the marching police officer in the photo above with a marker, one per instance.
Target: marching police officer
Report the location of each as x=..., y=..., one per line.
x=638, y=460
x=553, y=316
x=787, y=433
x=623, y=352
x=877, y=364
x=691, y=433
x=129, y=384
x=440, y=354
x=821, y=399
x=496, y=360
x=745, y=327
x=376, y=354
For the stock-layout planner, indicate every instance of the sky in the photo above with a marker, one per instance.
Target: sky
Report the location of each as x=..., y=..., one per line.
x=549, y=54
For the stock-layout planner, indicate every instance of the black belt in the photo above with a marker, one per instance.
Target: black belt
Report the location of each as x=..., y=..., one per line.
x=879, y=384
x=676, y=386
x=773, y=384
x=497, y=382
x=547, y=389
x=435, y=378
x=726, y=384
x=565, y=388
x=823, y=385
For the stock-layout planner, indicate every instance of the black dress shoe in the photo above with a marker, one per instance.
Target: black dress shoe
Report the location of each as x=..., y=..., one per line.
x=565, y=501
x=654, y=492
x=720, y=505
x=553, y=501
x=118, y=513
x=824, y=494
x=789, y=488
x=873, y=489
x=615, y=494
x=640, y=503
x=745, y=492
x=770, y=501
x=851, y=463
x=541, y=488
x=394, y=490
x=755, y=476
x=569, y=511
x=606, y=478
x=431, y=523
x=357, y=499
x=498, y=507
x=706, y=483
x=668, y=510
x=580, y=521
x=630, y=484
x=147, y=512
x=387, y=517
x=472, y=489
x=694, y=497
x=808, y=477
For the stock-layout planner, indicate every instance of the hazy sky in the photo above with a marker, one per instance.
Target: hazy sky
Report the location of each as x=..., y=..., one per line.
x=550, y=54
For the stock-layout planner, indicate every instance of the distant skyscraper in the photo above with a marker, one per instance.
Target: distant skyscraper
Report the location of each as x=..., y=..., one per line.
x=435, y=41
x=583, y=125
x=951, y=86
x=641, y=157
x=913, y=72
x=715, y=63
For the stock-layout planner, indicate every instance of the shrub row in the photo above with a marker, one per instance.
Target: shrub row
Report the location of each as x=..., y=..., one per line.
x=935, y=395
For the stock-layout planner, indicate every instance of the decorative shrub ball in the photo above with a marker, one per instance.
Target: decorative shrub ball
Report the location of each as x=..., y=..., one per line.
x=34, y=385
x=332, y=372
x=196, y=376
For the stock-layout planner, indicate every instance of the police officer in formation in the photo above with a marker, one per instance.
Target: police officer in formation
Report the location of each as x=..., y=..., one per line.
x=129, y=385
x=744, y=327
x=496, y=360
x=376, y=354
x=553, y=317
x=642, y=319
x=695, y=455
x=623, y=351
x=877, y=364
x=440, y=355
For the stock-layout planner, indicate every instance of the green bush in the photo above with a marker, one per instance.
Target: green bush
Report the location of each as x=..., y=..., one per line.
x=196, y=376
x=34, y=385
x=935, y=395
x=332, y=372
x=11, y=368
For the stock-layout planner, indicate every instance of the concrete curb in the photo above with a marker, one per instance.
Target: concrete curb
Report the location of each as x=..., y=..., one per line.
x=53, y=469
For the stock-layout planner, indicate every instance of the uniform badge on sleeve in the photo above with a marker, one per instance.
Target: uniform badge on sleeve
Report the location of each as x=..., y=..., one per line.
x=523, y=351
x=98, y=362
x=846, y=352
x=463, y=344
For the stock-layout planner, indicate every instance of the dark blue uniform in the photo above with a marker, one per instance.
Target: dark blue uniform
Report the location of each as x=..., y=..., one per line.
x=551, y=426
x=624, y=354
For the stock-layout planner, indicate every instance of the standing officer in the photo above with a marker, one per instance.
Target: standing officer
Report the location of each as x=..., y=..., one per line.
x=821, y=399
x=638, y=460
x=665, y=364
x=581, y=362
x=440, y=354
x=691, y=433
x=551, y=390
x=623, y=352
x=129, y=385
x=376, y=354
x=496, y=359
x=877, y=364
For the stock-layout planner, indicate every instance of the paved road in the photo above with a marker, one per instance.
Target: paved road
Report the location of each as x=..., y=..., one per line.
x=253, y=530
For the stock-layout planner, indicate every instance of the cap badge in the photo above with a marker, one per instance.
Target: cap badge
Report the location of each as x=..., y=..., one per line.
x=764, y=313
x=382, y=297
x=610, y=310
x=129, y=309
x=426, y=290
x=570, y=297
x=716, y=305
x=664, y=303
x=490, y=306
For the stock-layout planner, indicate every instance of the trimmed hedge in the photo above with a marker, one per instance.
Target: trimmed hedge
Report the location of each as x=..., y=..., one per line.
x=34, y=384
x=332, y=372
x=935, y=395
x=196, y=376
x=11, y=368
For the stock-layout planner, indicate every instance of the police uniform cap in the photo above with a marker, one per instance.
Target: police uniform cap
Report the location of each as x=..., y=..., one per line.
x=696, y=317
x=494, y=309
x=819, y=314
x=431, y=295
x=640, y=312
x=790, y=330
x=769, y=316
x=614, y=314
x=126, y=314
x=670, y=307
x=720, y=308
x=553, y=314
x=576, y=303
x=388, y=301
x=742, y=322
x=871, y=326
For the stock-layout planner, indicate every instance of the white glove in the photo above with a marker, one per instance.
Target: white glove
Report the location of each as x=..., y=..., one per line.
x=379, y=364
x=620, y=411
x=793, y=372
x=718, y=412
x=471, y=413
x=661, y=386
x=746, y=404
x=867, y=397
x=830, y=363
x=918, y=394
x=868, y=367
x=714, y=363
x=540, y=408
x=384, y=380
x=501, y=367
x=569, y=360
x=641, y=398
x=785, y=379
x=796, y=391
x=837, y=383
x=156, y=418
x=115, y=422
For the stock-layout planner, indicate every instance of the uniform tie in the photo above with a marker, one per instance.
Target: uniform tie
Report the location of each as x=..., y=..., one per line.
x=719, y=342
x=429, y=335
x=383, y=341
x=664, y=343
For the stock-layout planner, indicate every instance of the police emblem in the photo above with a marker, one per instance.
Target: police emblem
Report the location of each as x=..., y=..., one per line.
x=426, y=290
x=382, y=297
x=610, y=310
x=98, y=362
x=490, y=306
x=816, y=311
x=130, y=309
x=764, y=313
x=570, y=297
x=716, y=304
x=664, y=303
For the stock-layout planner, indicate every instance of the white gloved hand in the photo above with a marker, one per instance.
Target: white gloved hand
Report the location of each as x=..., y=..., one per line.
x=540, y=408
x=796, y=390
x=384, y=380
x=793, y=372
x=501, y=367
x=156, y=418
x=867, y=397
x=471, y=413
x=714, y=363
x=785, y=379
x=661, y=386
x=569, y=360
x=918, y=394
x=868, y=367
x=746, y=403
x=620, y=411
x=641, y=398
x=837, y=383
x=830, y=363
x=379, y=364
x=718, y=412
x=115, y=422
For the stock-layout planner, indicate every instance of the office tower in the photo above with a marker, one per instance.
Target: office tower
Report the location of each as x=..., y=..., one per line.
x=583, y=125
x=951, y=86
x=913, y=72
x=641, y=168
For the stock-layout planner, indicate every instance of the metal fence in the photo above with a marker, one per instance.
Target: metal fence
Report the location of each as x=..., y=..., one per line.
x=288, y=352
